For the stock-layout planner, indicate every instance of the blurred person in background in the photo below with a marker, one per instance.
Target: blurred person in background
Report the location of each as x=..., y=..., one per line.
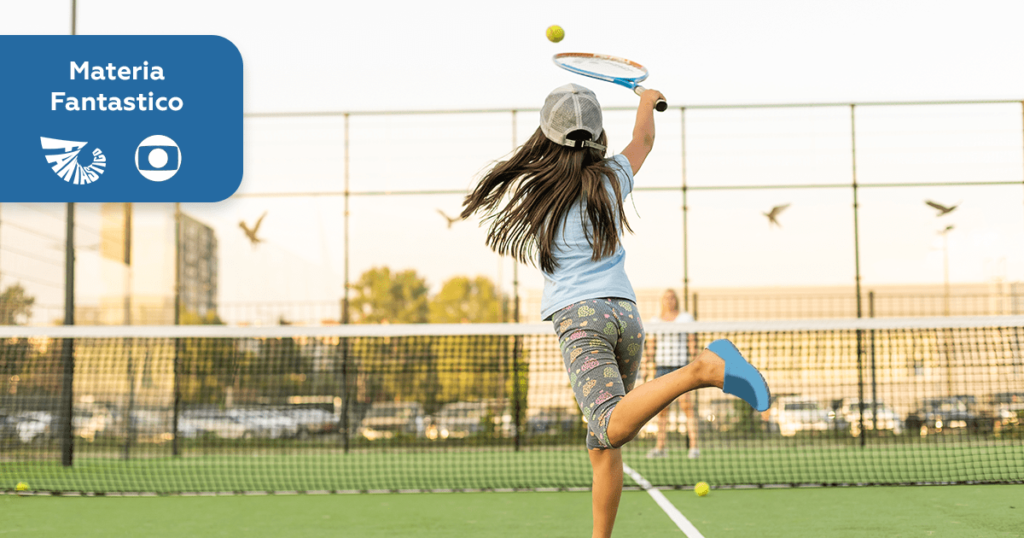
x=667, y=353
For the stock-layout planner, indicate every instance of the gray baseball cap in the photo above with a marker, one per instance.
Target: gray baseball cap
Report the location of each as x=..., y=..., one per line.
x=568, y=109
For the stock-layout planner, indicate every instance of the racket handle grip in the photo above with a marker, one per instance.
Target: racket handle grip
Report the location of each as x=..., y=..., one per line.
x=660, y=105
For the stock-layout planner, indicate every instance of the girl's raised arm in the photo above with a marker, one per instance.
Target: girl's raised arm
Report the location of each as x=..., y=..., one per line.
x=643, y=130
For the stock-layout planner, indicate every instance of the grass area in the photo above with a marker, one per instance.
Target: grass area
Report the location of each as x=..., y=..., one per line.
x=428, y=515
x=488, y=468
x=945, y=511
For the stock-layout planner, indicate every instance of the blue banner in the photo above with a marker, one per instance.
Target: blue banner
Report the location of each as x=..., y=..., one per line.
x=120, y=119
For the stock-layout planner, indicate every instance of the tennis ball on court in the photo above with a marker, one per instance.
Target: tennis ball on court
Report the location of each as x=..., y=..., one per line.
x=21, y=486
x=701, y=489
x=555, y=33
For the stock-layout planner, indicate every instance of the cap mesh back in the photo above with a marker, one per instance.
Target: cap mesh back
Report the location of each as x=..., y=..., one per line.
x=570, y=108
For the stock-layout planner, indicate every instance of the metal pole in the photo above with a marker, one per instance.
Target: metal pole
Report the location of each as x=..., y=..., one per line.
x=128, y=342
x=67, y=439
x=856, y=261
x=517, y=342
x=515, y=262
x=175, y=447
x=856, y=225
x=345, y=305
x=945, y=270
x=686, y=250
x=344, y=311
x=874, y=380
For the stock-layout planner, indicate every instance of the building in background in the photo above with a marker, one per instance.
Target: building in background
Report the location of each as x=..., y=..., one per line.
x=197, y=259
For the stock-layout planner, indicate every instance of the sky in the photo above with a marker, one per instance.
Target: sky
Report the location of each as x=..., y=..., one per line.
x=308, y=56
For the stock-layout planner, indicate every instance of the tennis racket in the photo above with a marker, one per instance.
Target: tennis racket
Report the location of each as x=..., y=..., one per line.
x=612, y=69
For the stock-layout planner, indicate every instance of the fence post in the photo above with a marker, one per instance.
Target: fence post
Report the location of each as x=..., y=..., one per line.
x=343, y=423
x=67, y=433
x=176, y=365
x=343, y=342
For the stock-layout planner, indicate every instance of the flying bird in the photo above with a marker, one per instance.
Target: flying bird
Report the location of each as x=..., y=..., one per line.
x=449, y=219
x=942, y=209
x=775, y=212
x=251, y=234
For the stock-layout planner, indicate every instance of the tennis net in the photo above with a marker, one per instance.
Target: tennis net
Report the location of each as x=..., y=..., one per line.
x=198, y=409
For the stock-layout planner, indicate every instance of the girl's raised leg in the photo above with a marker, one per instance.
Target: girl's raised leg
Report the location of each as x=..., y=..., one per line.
x=643, y=403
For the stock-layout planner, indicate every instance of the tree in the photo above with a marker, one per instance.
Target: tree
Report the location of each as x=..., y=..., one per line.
x=15, y=304
x=190, y=317
x=383, y=296
x=477, y=367
x=465, y=300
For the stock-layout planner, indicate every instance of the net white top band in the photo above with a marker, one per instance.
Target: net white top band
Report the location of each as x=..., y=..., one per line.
x=500, y=329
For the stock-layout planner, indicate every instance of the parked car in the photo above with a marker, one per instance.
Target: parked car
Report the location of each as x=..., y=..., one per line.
x=263, y=422
x=462, y=419
x=215, y=424
x=887, y=420
x=792, y=414
x=89, y=422
x=34, y=425
x=8, y=427
x=1008, y=408
x=312, y=421
x=956, y=413
x=151, y=426
x=384, y=419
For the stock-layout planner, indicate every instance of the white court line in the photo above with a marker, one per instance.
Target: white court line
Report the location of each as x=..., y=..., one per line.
x=673, y=513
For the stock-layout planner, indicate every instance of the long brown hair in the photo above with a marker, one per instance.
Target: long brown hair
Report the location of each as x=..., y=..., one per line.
x=543, y=180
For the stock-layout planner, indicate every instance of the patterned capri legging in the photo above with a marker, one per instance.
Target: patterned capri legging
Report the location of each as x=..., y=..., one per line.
x=601, y=341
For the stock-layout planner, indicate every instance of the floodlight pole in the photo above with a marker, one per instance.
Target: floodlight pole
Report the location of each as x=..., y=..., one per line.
x=343, y=425
x=517, y=342
x=856, y=262
x=686, y=209
x=67, y=434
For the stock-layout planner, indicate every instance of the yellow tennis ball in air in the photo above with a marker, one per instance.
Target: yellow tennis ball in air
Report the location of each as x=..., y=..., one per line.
x=702, y=489
x=21, y=486
x=555, y=33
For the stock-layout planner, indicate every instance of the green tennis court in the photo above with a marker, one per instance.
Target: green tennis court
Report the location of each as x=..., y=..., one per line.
x=977, y=511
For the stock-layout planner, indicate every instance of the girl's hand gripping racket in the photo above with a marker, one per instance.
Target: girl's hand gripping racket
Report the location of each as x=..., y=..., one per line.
x=609, y=69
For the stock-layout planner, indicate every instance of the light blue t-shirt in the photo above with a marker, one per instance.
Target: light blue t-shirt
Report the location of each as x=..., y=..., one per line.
x=577, y=277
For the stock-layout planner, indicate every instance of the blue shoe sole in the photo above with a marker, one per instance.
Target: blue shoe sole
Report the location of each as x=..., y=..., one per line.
x=741, y=378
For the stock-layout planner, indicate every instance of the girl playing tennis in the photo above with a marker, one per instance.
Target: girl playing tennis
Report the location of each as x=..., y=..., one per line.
x=558, y=198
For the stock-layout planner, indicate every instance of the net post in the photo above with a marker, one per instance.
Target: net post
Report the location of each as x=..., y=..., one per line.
x=516, y=396
x=129, y=428
x=874, y=370
x=343, y=425
x=860, y=385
